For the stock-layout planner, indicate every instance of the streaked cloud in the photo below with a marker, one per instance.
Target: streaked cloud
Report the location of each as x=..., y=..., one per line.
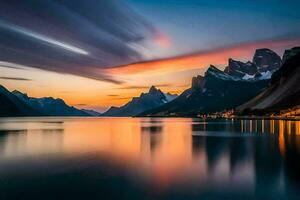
x=121, y=98
x=43, y=38
x=112, y=95
x=11, y=65
x=143, y=86
x=15, y=78
x=134, y=87
x=72, y=36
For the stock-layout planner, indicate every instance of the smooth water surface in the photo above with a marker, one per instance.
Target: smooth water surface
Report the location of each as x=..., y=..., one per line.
x=144, y=158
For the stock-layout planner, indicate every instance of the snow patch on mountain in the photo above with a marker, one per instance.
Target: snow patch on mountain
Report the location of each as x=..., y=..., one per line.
x=248, y=77
x=212, y=70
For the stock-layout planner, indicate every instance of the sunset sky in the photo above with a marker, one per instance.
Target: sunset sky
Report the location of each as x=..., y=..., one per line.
x=99, y=53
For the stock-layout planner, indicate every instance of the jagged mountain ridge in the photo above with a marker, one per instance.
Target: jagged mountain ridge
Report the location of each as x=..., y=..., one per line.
x=137, y=105
x=264, y=63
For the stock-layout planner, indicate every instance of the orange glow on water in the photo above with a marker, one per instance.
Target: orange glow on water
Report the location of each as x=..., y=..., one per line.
x=297, y=125
x=165, y=152
x=281, y=138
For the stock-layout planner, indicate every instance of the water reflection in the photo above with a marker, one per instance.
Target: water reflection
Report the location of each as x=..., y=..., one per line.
x=24, y=137
x=188, y=157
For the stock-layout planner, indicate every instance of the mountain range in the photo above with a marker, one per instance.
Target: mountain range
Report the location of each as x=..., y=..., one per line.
x=264, y=85
x=137, y=105
x=20, y=104
x=223, y=90
x=215, y=91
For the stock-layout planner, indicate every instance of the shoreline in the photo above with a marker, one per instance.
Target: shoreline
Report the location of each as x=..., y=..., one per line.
x=235, y=117
x=195, y=117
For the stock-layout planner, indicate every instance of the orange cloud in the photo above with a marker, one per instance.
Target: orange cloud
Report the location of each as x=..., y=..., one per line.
x=203, y=59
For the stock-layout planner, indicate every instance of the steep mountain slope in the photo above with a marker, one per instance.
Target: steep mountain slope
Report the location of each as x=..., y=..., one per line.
x=215, y=91
x=12, y=106
x=284, y=91
x=145, y=101
x=49, y=106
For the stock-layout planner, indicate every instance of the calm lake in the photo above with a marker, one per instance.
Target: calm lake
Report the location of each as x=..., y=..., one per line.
x=148, y=158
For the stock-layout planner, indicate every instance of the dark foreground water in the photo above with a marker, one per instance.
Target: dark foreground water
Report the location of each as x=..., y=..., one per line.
x=131, y=158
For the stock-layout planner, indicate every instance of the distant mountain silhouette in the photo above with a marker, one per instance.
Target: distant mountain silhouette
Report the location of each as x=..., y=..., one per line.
x=284, y=91
x=49, y=106
x=215, y=91
x=11, y=105
x=145, y=101
x=19, y=104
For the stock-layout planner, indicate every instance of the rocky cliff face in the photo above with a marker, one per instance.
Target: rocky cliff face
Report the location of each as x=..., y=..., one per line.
x=264, y=63
x=290, y=53
x=240, y=69
x=266, y=60
x=198, y=82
